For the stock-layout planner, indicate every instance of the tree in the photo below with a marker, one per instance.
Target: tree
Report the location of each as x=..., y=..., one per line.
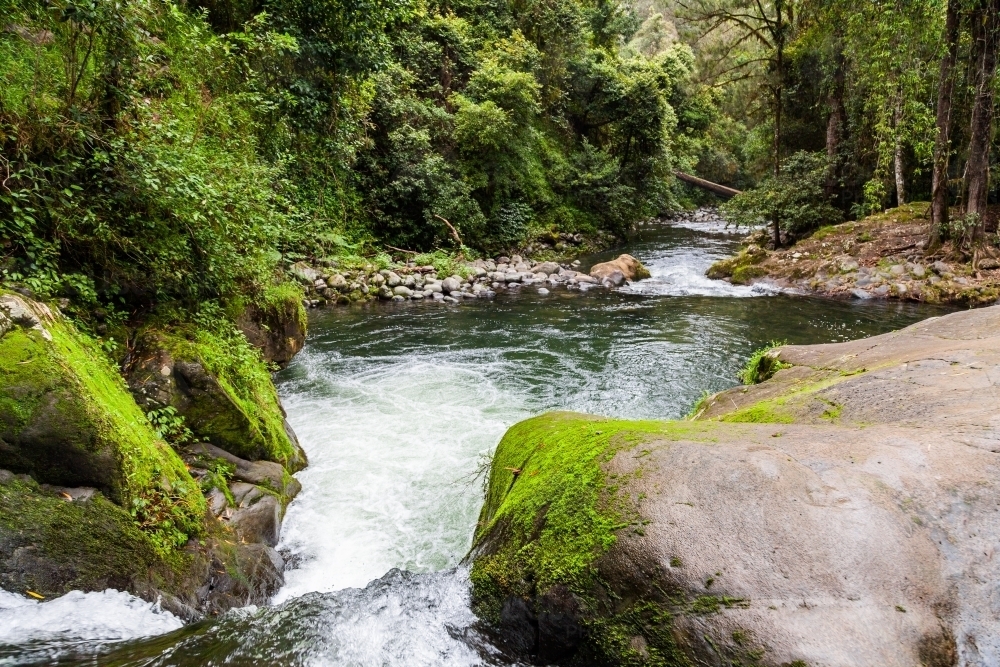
x=768, y=25
x=942, y=142
x=985, y=18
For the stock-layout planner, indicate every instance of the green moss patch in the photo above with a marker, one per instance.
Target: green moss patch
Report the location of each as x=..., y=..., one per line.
x=248, y=422
x=69, y=419
x=741, y=268
x=551, y=513
x=88, y=545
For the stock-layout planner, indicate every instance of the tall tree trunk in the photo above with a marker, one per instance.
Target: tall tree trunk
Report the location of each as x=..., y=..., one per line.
x=897, y=154
x=942, y=143
x=985, y=27
x=779, y=42
x=835, y=123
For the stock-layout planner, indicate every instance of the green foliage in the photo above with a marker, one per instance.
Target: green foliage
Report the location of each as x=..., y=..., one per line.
x=796, y=198
x=762, y=364
x=170, y=426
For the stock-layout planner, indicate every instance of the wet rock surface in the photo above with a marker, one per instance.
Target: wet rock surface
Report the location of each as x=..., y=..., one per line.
x=92, y=498
x=841, y=513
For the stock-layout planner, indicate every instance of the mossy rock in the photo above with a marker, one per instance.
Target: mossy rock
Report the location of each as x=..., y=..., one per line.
x=51, y=544
x=740, y=268
x=222, y=387
x=276, y=323
x=67, y=418
x=542, y=573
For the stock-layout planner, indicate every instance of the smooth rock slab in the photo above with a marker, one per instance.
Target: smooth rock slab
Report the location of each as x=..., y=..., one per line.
x=843, y=513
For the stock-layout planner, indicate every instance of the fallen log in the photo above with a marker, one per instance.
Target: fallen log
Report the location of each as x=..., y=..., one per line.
x=707, y=185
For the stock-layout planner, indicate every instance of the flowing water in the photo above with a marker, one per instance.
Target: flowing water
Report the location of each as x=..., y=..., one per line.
x=397, y=408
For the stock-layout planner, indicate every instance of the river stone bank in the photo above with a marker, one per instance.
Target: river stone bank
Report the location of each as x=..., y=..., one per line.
x=843, y=512
x=880, y=257
x=92, y=497
x=480, y=279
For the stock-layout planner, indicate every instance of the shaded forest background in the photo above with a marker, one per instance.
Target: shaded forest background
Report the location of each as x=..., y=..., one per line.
x=156, y=153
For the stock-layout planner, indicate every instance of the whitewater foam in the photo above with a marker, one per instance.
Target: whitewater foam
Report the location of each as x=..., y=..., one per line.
x=108, y=615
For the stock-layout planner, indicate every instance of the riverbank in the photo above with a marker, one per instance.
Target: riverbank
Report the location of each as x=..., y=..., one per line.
x=851, y=495
x=454, y=279
x=397, y=406
x=880, y=257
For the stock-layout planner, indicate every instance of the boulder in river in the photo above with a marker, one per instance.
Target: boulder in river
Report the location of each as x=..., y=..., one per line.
x=630, y=267
x=844, y=512
x=90, y=497
x=220, y=388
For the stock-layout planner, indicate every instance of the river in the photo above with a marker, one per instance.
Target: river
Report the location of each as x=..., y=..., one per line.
x=398, y=407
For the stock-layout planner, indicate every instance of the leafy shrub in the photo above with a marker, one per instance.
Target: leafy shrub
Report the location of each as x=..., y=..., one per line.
x=796, y=198
x=762, y=364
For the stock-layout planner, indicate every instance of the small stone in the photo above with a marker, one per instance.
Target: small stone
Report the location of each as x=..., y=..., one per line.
x=901, y=289
x=881, y=290
x=940, y=268
x=393, y=280
x=450, y=285
x=848, y=265
x=437, y=296
x=337, y=282
x=542, y=291
x=897, y=269
x=398, y=298
x=860, y=294
x=402, y=291
x=449, y=299
x=385, y=293
x=614, y=279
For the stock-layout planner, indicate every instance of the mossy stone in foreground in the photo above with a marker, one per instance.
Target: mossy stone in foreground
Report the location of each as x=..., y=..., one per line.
x=222, y=387
x=50, y=545
x=67, y=418
x=551, y=516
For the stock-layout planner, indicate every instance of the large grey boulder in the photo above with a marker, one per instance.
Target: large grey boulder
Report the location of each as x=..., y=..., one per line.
x=844, y=512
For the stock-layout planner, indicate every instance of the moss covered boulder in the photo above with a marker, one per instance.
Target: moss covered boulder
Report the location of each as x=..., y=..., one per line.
x=276, y=323
x=842, y=512
x=222, y=387
x=67, y=418
x=90, y=497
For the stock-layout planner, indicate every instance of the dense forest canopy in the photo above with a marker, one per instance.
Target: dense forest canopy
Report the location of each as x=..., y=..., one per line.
x=155, y=152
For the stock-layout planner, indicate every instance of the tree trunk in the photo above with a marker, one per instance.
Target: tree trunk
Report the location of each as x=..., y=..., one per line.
x=984, y=33
x=837, y=120
x=897, y=155
x=779, y=43
x=942, y=143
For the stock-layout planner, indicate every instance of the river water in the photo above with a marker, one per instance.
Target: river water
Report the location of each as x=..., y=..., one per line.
x=397, y=408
